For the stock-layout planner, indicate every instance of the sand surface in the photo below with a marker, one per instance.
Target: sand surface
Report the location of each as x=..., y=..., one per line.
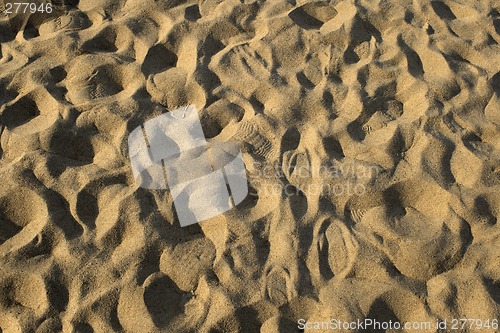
x=370, y=135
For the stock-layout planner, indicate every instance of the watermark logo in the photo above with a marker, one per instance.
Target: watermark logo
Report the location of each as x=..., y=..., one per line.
x=171, y=151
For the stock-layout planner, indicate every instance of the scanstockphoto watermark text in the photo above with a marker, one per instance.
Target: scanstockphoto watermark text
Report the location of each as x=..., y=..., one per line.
x=362, y=324
x=455, y=324
x=333, y=180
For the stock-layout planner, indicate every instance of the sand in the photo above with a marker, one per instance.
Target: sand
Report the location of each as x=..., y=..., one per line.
x=370, y=135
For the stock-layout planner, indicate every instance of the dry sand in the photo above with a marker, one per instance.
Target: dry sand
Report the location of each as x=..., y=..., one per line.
x=401, y=96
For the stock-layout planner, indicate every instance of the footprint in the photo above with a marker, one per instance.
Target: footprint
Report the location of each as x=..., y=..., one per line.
x=356, y=214
x=338, y=246
x=106, y=40
x=163, y=299
x=192, y=13
x=73, y=21
x=413, y=232
x=94, y=78
x=218, y=116
x=30, y=30
x=248, y=68
x=188, y=262
x=76, y=145
x=251, y=136
x=297, y=168
x=20, y=227
x=414, y=62
x=86, y=83
x=174, y=89
x=442, y=10
x=25, y=118
x=481, y=149
x=321, y=249
x=279, y=286
x=312, y=15
x=376, y=122
x=158, y=59
x=19, y=113
x=304, y=81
